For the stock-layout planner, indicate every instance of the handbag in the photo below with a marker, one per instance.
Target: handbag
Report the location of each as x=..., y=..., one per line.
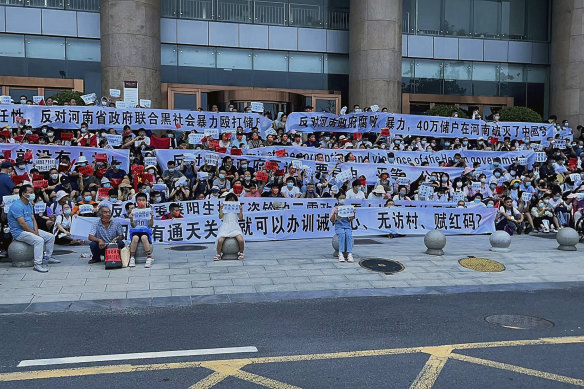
x=112, y=257
x=125, y=256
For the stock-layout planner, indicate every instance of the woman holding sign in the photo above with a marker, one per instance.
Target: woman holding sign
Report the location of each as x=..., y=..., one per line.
x=341, y=217
x=230, y=224
x=141, y=221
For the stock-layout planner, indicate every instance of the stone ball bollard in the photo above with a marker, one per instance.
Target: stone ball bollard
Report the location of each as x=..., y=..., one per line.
x=500, y=241
x=141, y=253
x=435, y=241
x=336, y=245
x=230, y=249
x=567, y=238
x=21, y=254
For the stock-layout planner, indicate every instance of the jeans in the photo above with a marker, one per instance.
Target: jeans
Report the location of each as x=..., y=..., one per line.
x=96, y=252
x=345, y=239
x=43, y=242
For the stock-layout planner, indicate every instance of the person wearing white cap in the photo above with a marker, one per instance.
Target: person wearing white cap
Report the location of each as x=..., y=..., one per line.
x=377, y=193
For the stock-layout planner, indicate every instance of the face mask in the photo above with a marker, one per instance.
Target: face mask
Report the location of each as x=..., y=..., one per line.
x=456, y=160
x=493, y=186
x=541, y=205
x=496, y=164
x=171, y=135
x=107, y=185
x=50, y=134
x=104, y=219
x=397, y=142
x=528, y=184
x=489, y=205
x=359, y=189
x=144, y=191
x=87, y=198
x=444, y=179
x=424, y=143
x=515, y=186
x=221, y=176
x=341, y=201
x=477, y=201
x=459, y=184
x=460, y=206
x=311, y=191
x=358, y=110
x=527, y=141
x=447, y=144
x=556, y=198
x=28, y=132
x=465, y=143
x=497, y=175
x=565, y=125
x=54, y=176
x=158, y=199
x=141, y=204
x=391, y=160
x=513, y=173
x=275, y=191
x=247, y=178
x=171, y=170
x=290, y=185
x=67, y=212
x=497, y=117
x=84, y=130
x=244, y=166
x=31, y=197
x=151, y=171
x=113, y=199
x=483, y=180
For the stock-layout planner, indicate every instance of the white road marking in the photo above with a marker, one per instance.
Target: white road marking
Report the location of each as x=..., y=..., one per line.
x=122, y=357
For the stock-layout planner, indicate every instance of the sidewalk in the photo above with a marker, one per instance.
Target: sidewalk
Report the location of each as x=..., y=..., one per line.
x=287, y=270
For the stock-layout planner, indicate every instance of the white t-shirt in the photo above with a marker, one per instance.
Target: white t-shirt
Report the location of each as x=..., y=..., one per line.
x=351, y=195
x=290, y=193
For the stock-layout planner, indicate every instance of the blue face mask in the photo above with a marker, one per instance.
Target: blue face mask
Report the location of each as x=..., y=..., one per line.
x=171, y=170
x=87, y=198
x=477, y=200
x=221, y=176
x=247, y=178
x=495, y=164
x=397, y=142
x=67, y=212
x=31, y=197
x=489, y=205
x=497, y=175
x=528, y=184
x=158, y=199
x=290, y=185
x=447, y=144
x=391, y=160
x=244, y=166
x=515, y=186
x=107, y=185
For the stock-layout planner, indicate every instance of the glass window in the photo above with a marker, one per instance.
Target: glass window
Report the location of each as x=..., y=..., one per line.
x=512, y=73
x=16, y=93
x=275, y=61
x=168, y=8
x=269, y=12
x=199, y=9
x=45, y=47
x=168, y=55
x=306, y=13
x=483, y=71
x=234, y=59
x=185, y=101
x=486, y=18
x=428, y=17
x=234, y=11
x=336, y=64
x=11, y=45
x=45, y=3
x=83, y=50
x=536, y=74
x=326, y=106
x=306, y=63
x=407, y=67
x=338, y=14
x=513, y=19
x=428, y=69
x=457, y=17
x=409, y=17
x=457, y=70
x=200, y=57
x=83, y=5
x=537, y=20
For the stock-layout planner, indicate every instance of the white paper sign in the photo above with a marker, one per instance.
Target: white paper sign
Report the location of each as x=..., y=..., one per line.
x=270, y=131
x=346, y=211
x=115, y=93
x=44, y=164
x=476, y=186
x=121, y=105
x=536, y=146
x=37, y=99
x=344, y=176
x=500, y=181
x=113, y=139
x=89, y=99
x=297, y=164
x=195, y=139
x=211, y=159
x=575, y=177
x=402, y=181
x=131, y=93
x=257, y=107
x=522, y=161
x=526, y=196
x=230, y=207
x=189, y=157
x=145, y=103
x=202, y=175
x=5, y=100
x=307, y=169
x=375, y=108
x=212, y=133
x=343, y=111
x=40, y=207
x=458, y=196
x=180, y=181
x=425, y=191
x=540, y=157
x=85, y=208
x=8, y=201
x=150, y=161
x=159, y=187
x=141, y=213
x=561, y=144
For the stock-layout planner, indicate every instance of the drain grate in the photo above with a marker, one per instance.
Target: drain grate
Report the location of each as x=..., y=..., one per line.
x=483, y=265
x=367, y=241
x=382, y=265
x=519, y=322
x=63, y=252
x=188, y=248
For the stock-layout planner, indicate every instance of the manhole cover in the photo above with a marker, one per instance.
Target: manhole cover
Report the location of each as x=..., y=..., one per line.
x=367, y=241
x=382, y=265
x=519, y=322
x=482, y=264
x=187, y=248
x=62, y=252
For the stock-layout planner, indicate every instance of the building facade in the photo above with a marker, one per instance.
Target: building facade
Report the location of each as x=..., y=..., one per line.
x=402, y=54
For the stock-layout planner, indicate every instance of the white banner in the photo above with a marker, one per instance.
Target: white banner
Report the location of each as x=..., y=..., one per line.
x=314, y=223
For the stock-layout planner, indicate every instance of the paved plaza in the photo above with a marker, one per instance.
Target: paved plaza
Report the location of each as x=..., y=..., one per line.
x=293, y=269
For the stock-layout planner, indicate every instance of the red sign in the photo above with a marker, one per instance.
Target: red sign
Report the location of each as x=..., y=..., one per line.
x=66, y=135
x=102, y=193
x=357, y=136
x=27, y=155
x=137, y=169
x=262, y=176
x=100, y=158
x=279, y=172
x=385, y=131
x=116, y=182
x=499, y=190
x=6, y=133
x=236, y=151
x=86, y=170
x=494, y=140
x=38, y=177
x=221, y=150
x=213, y=143
x=19, y=179
x=40, y=184
x=237, y=189
x=280, y=153
x=271, y=165
x=147, y=177
x=32, y=138
x=573, y=163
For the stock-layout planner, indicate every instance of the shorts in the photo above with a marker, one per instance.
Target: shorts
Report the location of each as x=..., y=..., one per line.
x=140, y=232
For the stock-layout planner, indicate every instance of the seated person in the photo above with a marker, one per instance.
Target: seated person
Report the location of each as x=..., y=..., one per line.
x=103, y=232
x=174, y=212
x=141, y=231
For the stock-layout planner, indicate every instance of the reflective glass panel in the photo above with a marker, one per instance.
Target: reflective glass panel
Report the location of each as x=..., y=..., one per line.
x=428, y=17
x=200, y=57
x=457, y=70
x=483, y=71
x=537, y=74
x=457, y=17
x=45, y=47
x=234, y=59
x=407, y=67
x=306, y=13
x=82, y=5
x=486, y=18
x=83, y=50
x=336, y=64
x=409, y=17
x=270, y=12
x=513, y=19
x=306, y=63
x=428, y=69
x=11, y=45
x=537, y=20
x=203, y=9
x=234, y=11
x=275, y=61
x=185, y=101
x=168, y=55
x=512, y=73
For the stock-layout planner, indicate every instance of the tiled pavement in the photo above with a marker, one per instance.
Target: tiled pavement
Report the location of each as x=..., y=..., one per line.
x=293, y=269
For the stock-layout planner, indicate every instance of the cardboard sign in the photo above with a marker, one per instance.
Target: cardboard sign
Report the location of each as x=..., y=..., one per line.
x=195, y=139
x=262, y=176
x=142, y=213
x=150, y=161
x=86, y=170
x=561, y=144
x=211, y=133
x=121, y=105
x=211, y=159
x=145, y=103
x=102, y=193
x=40, y=184
x=44, y=164
x=344, y=176
x=271, y=165
x=257, y=107
x=40, y=207
x=113, y=139
x=280, y=153
x=8, y=201
x=100, y=158
x=231, y=207
x=5, y=100
x=540, y=157
x=236, y=151
x=526, y=196
x=37, y=99
x=85, y=208
x=89, y=99
x=346, y=211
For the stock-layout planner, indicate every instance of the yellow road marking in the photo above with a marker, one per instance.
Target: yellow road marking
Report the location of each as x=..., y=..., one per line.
x=236, y=364
x=209, y=381
x=519, y=369
x=263, y=381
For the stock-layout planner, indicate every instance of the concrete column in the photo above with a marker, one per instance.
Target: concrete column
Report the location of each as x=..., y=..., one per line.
x=375, y=53
x=567, y=59
x=130, y=46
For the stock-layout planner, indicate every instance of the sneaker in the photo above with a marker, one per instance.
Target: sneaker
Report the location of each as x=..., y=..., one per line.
x=132, y=262
x=149, y=262
x=341, y=258
x=94, y=260
x=350, y=258
x=51, y=260
x=41, y=268
x=3, y=253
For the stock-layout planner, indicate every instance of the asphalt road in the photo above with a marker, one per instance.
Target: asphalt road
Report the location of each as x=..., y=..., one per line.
x=310, y=328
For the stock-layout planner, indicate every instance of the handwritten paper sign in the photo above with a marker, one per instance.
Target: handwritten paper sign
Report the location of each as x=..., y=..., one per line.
x=8, y=201
x=476, y=186
x=89, y=99
x=196, y=139
x=212, y=133
x=5, y=100
x=280, y=153
x=344, y=176
x=262, y=176
x=425, y=191
x=150, y=161
x=115, y=92
x=402, y=181
x=40, y=184
x=271, y=165
x=575, y=177
x=540, y=157
x=375, y=108
x=189, y=157
x=458, y=196
x=145, y=103
x=270, y=131
x=561, y=144
x=385, y=131
x=257, y=107
x=522, y=161
x=85, y=208
x=180, y=181
x=230, y=207
x=159, y=187
x=102, y=193
x=346, y=211
x=297, y=164
x=202, y=175
x=526, y=196
x=113, y=139
x=121, y=105
x=142, y=213
x=211, y=159
x=44, y=164
x=86, y=170
x=40, y=207
x=37, y=99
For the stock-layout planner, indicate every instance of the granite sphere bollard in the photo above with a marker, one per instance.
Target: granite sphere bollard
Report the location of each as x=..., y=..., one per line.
x=336, y=245
x=435, y=241
x=567, y=238
x=141, y=253
x=230, y=249
x=500, y=241
x=21, y=254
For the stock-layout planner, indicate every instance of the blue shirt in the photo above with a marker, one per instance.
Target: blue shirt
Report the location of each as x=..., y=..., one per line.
x=6, y=185
x=20, y=209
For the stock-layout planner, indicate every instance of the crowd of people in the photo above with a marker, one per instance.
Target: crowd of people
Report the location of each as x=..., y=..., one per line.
x=555, y=186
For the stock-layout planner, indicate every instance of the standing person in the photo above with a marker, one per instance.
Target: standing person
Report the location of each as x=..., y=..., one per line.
x=230, y=228
x=24, y=229
x=343, y=229
x=141, y=231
